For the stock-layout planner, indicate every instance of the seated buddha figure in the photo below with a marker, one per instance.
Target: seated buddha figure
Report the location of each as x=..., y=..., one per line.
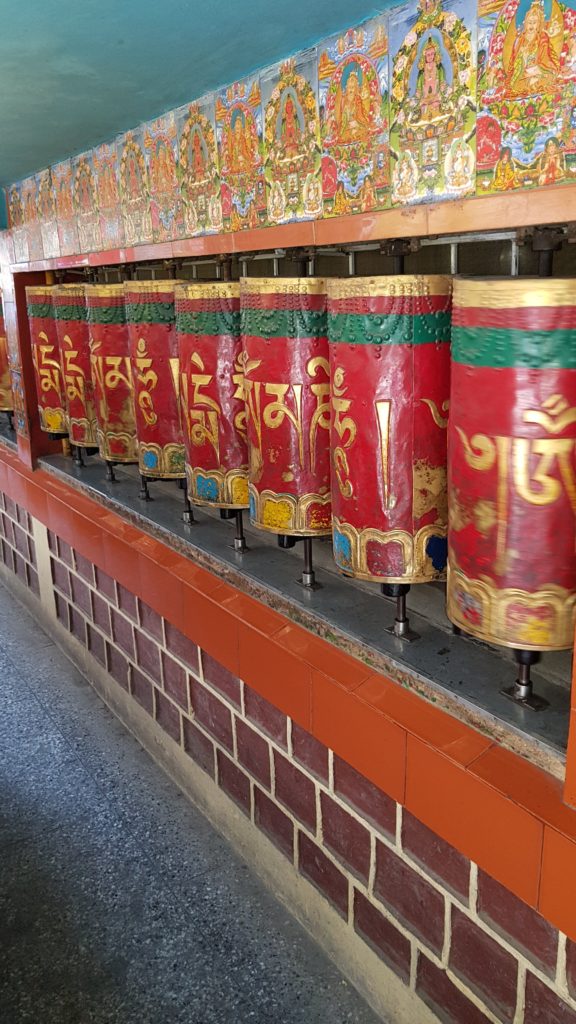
x=431, y=80
x=534, y=63
x=352, y=111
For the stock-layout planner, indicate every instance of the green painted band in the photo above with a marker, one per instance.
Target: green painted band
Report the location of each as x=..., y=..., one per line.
x=208, y=323
x=284, y=323
x=150, y=312
x=71, y=312
x=41, y=309
x=106, y=314
x=388, y=329
x=500, y=347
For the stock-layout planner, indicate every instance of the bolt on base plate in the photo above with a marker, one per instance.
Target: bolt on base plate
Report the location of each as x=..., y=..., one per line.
x=517, y=693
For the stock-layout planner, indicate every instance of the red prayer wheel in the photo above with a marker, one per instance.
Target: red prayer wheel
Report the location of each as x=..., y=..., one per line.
x=284, y=329
x=111, y=372
x=6, y=399
x=151, y=317
x=512, y=476
x=212, y=393
x=46, y=358
x=390, y=380
x=71, y=318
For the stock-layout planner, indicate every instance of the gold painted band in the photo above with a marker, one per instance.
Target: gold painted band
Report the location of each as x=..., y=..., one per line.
x=514, y=292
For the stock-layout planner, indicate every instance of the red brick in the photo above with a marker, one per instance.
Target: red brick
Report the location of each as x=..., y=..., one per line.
x=20, y=567
x=318, y=869
x=517, y=922
x=310, y=752
x=148, y=655
x=272, y=721
x=52, y=541
x=449, y=1004
x=23, y=518
x=253, y=753
x=123, y=633
x=7, y=556
x=84, y=568
x=151, y=621
x=345, y=837
x=127, y=602
x=32, y=548
x=81, y=595
x=96, y=644
x=221, y=679
x=101, y=614
x=571, y=966
x=386, y=941
x=117, y=666
x=142, y=690
x=416, y=903
x=270, y=819
x=484, y=965
x=33, y=581
x=65, y=552
x=212, y=714
x=198, y=746
x=77, y=625
x=10, y=507
x=295, y=790
x=233, y=781
x=365, y=797
x=175, y=680
x=8, y=528
x=167, y=715
x=105, y=585
x=62, y=612
x=543, y=1006
x=61, y=578
x=437, y=857
x=21, y=542
x=181, y=647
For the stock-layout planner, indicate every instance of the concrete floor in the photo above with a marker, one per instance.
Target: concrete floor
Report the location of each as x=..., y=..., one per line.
x=119, y=903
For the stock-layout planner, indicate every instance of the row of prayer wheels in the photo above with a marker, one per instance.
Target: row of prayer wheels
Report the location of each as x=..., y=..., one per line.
x=323, y=406
x=6, y=399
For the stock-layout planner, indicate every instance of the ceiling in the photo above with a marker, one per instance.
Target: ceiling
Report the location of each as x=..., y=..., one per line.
x=74, y=73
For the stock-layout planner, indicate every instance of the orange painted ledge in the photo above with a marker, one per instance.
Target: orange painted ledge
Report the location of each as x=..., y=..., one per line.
x=494, y=806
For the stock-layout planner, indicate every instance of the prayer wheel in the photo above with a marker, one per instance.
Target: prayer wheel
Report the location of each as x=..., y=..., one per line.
x=111, y=374
x=6, y=400
x=287, y=384
x=71, y=318
x=46, y=358
x=151, y=318
x=390, y=383
x=512, y=483
x=212, y=394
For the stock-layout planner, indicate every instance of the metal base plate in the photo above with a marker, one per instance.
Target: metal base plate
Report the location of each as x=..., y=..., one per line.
x=408, y=635
x=533, y=702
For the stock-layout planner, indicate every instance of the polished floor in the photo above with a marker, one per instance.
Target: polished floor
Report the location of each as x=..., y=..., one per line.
x=119, y=903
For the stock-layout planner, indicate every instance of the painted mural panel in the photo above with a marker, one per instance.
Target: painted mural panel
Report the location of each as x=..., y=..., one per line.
x=134, y=188
x=241, y=155
x=354, y=116
x=160, y=146
x=105, y=165
x=432, y=100
x=62, y=180
x=292, y=149
x=29, y=193
x=16, y=214
x=47, y=214
x=198, y=168
x=526, y=94
x=86, y=203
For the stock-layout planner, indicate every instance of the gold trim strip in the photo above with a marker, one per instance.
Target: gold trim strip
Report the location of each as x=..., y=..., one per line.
x=209, y=290
x=514, y=292
x=283, y=285
x=389, y=286
x=104, y=289
x=167, y=287
x=40, y=289
x=70, y=289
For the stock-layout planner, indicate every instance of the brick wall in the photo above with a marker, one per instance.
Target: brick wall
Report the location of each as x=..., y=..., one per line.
x=467, y=947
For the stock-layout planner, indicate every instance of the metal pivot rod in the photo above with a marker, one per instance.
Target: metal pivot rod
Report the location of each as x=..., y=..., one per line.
x=401, y=626
x=546, y=241
x=77, y=455
x=521, y=692
x=110, y=471
x=10, y=418
x=188, y=513
x=397, y=249
x=239, y=538
x=144, y=493
x=308, y=575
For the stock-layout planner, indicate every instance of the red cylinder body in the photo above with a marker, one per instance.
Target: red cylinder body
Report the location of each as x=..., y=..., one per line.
x=212, y=393
x=74, y=343
x=288, y=404
x=6, y=399
x=111, y=372
x=46, y=357
x=150, y=314
x=390, y=379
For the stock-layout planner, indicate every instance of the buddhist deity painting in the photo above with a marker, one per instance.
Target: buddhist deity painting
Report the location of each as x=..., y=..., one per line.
x=292, y=148
x=160, y=145
x=526, y=94
x=432, y=101
x=134, y=188
x=62, y=183
x=198, y=168
x=47, y=214
x=86, y=204
x=19, y=234
x=29, y=193
x=353, y=98
x=105, y=164
x=240, y=155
